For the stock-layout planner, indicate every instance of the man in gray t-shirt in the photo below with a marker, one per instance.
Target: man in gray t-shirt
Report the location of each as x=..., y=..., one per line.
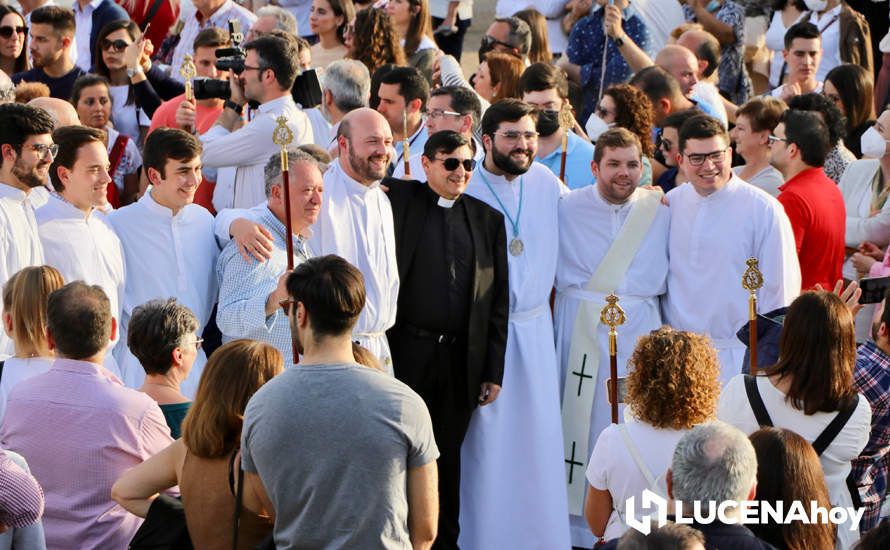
x=343, y=454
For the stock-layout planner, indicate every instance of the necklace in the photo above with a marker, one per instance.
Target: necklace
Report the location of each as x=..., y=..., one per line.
x=516, y=245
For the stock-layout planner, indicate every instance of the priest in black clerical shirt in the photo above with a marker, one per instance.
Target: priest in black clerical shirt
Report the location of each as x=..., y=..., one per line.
x=450, y=335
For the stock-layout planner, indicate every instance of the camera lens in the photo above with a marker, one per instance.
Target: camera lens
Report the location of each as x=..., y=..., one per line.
x=207, y=88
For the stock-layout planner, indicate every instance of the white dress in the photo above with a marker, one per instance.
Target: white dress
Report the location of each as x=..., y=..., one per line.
x=711, y=239
x=513, y=491
x=356, y=223
x=587, y=227
x=734, y=408
x=166, y=256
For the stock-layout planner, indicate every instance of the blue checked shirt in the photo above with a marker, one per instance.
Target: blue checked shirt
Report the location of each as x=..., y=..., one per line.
x=872, y=379
x=244, y=287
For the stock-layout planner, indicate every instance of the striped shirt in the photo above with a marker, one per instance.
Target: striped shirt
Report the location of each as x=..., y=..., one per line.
x=21, y=498
x=872, y=379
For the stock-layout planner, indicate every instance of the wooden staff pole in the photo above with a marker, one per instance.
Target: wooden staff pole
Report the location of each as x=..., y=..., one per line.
x=282, y=137
x=614, y=316
x=406, y=145
x=752, y=280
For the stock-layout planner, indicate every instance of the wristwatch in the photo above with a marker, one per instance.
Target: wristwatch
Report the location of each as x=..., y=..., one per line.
x=133, y=72
x=619, y=41
x=229, y=104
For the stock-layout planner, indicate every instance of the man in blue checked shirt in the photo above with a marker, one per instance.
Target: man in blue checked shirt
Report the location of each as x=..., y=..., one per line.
x=249, y=290
x=599, y=54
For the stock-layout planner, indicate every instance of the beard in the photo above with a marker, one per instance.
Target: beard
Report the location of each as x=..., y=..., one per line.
x=29, y=175
x=364, y=168
x=508, y=165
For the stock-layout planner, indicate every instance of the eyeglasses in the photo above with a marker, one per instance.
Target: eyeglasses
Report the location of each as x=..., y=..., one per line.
x=249, y=68
x=772, y=139
x=198, y=342
x=439, y=113
x=42, y=149
x=451, y=163
x=8, y=31
x=118, y=45
x=490, y=41
x=697, y=159
x=666, y=144
x=514, y=135
x=286, y=306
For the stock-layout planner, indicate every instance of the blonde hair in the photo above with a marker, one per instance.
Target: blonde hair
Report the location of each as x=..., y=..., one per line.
x=25, y=295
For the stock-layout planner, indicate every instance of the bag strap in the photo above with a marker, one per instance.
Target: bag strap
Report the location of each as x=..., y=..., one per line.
x=635, y=453
x=756, y=402
x=837, y=424
x=1, y=368
x=150, y=14
x=239, y=497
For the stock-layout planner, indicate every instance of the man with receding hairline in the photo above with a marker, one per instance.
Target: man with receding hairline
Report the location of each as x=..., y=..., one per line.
x=356, y=222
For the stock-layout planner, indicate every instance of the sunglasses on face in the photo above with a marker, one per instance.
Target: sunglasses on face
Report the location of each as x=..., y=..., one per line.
x=451, y=164
x=115, y=45
x=7, y=32
x=490, y=42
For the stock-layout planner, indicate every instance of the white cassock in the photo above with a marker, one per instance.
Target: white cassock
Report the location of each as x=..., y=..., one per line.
x=512, y=472
x=19, y=241
x=711, y=239
x=356, y=224
x=241, y=156
x=588, y=225
x=84, y=248
x=166, y=256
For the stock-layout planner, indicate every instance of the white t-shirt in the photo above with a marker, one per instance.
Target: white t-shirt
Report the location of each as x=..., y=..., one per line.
x=126, y=118
x=613, y=468
x=16, y=369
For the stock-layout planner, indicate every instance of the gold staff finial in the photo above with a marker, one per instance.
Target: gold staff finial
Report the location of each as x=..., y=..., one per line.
x=282, y=137
x=752, y=280
x=188, y=72
x=612, y=315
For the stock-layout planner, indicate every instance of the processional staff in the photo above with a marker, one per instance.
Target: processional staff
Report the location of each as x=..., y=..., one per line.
x=613, y=315
x=282, y=137
x=406, y=145
x=752, y=280
x=188, y=72
x=566, y=121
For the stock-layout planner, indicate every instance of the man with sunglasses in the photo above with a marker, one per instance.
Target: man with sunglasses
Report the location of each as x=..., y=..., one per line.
x=26, y=147
x=450, y=334
x=527, y=194
x=613, y=239
x=52, y=33
x=250, y=291
x=718, y=221
x=239, y=150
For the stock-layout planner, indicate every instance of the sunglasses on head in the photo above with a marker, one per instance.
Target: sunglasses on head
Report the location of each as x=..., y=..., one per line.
x=451, y=164
x=116, y=45
x=7, y=32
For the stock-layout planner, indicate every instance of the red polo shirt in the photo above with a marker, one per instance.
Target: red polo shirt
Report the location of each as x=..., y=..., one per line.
x=815, y=206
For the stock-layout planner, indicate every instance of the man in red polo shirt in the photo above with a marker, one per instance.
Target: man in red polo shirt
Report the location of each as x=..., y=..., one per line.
x=813, y=202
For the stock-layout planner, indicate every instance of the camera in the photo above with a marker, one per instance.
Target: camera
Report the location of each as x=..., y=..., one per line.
x=207, y=88
x=232, y=59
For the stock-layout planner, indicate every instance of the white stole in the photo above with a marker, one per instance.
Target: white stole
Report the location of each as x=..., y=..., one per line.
x=578, y=395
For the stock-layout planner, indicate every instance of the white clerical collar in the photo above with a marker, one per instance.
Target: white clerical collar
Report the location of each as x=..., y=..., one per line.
x=67, y=209
x=352, y=185
x=155, y=207
x=495, y=178
x=599, y=196
x=446, y=203
x=10, y=192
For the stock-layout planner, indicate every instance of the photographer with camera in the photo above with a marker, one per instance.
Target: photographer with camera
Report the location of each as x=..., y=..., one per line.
x=263, y=74
x=197, y=116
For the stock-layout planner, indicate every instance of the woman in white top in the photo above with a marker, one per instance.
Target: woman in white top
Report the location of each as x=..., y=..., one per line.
x=787, y=13
x=673, y=384
x=807, y=389
x=24, y=320
x=328, y=19
x=411, y=20
x=755, y=121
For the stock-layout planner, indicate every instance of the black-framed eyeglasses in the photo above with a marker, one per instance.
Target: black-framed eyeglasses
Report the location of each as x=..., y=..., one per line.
x=42, y=149
x=772, y=139
x=286, y=306
x=249, y=68
x=7, y=31
x=118, y=45
x=490, y=41
x=451, y=163
x=697, y=159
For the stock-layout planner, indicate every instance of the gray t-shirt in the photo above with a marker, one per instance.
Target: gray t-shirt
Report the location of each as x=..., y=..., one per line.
x=333, y=445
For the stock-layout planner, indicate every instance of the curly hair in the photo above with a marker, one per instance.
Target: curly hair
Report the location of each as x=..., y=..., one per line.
x=375, y=41
x=633, y=111
x=674, y=380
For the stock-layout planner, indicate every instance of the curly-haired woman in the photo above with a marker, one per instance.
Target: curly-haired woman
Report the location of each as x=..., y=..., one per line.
x=672, y=386
x=627, y=107
x=373, y=40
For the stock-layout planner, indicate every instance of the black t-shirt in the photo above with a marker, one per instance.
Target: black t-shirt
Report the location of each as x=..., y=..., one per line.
x=58, y=87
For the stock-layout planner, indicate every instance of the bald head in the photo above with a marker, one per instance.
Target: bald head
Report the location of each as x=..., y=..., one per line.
x=705, y=47
x=62, y=113
x=364, y=139
x=681, y=63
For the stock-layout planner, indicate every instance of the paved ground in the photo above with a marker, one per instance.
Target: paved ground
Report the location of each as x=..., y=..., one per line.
x=483, y=15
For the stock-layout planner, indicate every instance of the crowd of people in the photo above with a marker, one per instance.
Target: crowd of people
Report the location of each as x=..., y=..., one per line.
x=269, y=276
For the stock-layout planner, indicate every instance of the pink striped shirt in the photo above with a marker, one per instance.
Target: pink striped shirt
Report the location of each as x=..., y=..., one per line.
x=79, y=429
